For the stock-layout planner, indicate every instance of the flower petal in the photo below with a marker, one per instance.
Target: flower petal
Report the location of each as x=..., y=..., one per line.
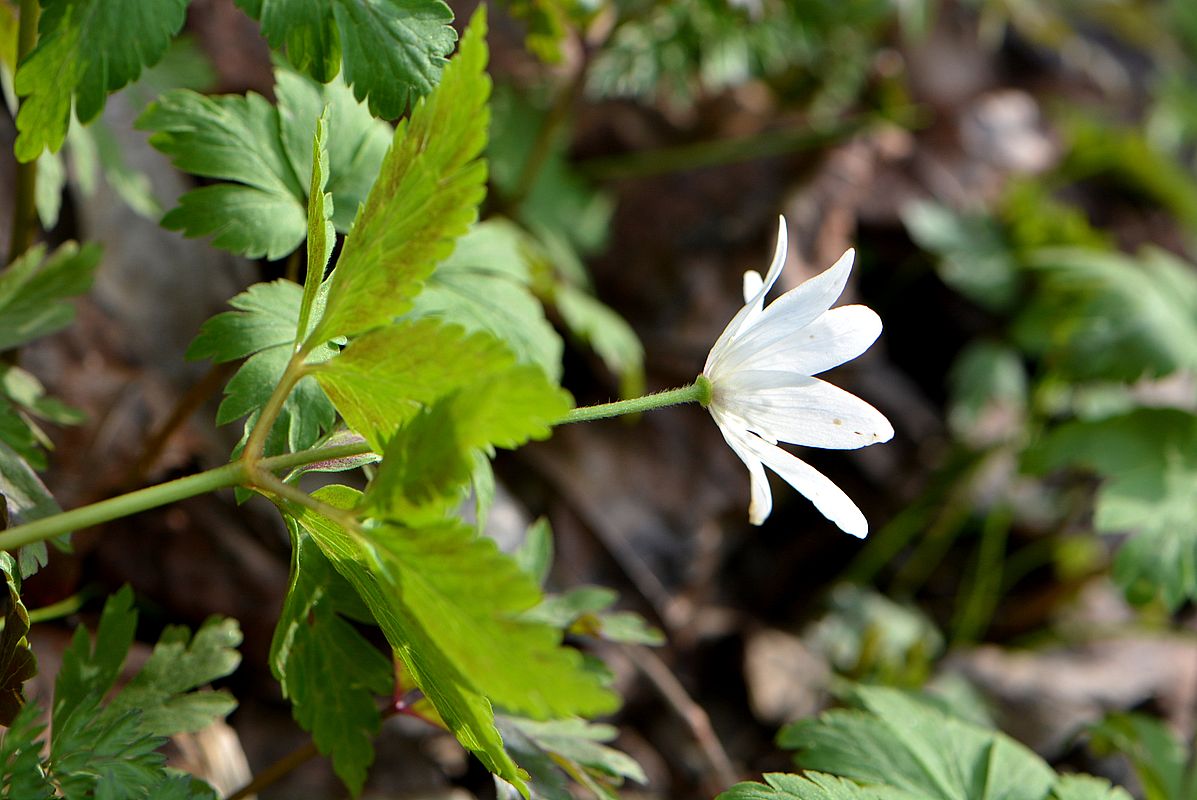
x=835, y=337
x=814, y=485
x=761, y=503
x=752, y=305
x=781, y=406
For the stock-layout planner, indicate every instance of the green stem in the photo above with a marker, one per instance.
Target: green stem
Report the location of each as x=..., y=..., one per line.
x=233, y=474
x=24, y=215
x=256, y=444
x=697, y=392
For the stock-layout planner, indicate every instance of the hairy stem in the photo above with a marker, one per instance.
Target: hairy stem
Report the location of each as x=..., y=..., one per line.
x=697, y=392
x=24, y=214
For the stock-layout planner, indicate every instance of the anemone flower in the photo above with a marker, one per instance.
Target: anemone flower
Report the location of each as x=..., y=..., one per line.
x=762, y=389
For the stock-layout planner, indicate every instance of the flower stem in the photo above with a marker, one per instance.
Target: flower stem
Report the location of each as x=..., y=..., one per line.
x=231, y=474
x=697, y=392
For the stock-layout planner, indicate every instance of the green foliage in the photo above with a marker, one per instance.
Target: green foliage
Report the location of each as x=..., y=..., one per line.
x=546, y=23
x=17, y=662
x=331, y=675
x=585, y=610
x=27, y=499
x=35, y=291
x=556, y=751
x=321, y=234
x=263, y=329
x=109, y=750
x=811, y=786
x=1162, y=762
x=265, y=154
x=485, y=286
x=86, y=49
x=448, y=602
x=393, y=50
x=1148, y=458
x=425, y=197
x=1102, y=315
x=906, y=746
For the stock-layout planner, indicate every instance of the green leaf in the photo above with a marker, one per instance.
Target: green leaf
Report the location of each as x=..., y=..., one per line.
x=811, y=786
x=464, y=710
x=17, y=662
x=903, y=742
x=1149, y=461
x=35, y=291
x=535, y=553
x=1104, y=315
x=583, y=611
x=21, y=770
x=425, y=197
x=393, y=50
x=1161, y=761
x=162, y=690
x=263, y=328
x=266, y=155
x=321, y=235
x=331, y=675
x=86, y=49
x=975, y=257
x=433, y=454
x=385, y=378
x=581, y=743
x=1087, y=787
x=483, y=286
x=27, y=499
x=450, y=610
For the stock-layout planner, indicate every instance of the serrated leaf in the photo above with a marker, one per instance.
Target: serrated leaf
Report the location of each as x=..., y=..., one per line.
x=34, y=291
x=21, y=772
x=535, y=553
x=162, y=689
x=1149, y=460
x=392, y=50
x=385, y=378
x=265, y=152
x=89, y=671
x=17, y=662
x=483, y=286
x=450, y=612
x=263, y=328
x=811, y=786
x=583, y=611
x=86, y=49
x=464, y=710
x=433, y=455
x=902, y=742
x=425, y=197
x=331, y=675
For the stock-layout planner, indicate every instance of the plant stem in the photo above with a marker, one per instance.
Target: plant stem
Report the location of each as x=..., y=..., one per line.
x=232, y=474
x=256, y=444
x=697, y=392
x=24, y=214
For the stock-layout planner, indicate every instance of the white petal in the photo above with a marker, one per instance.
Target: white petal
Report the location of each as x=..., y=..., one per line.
x=752, y=284
x=835, y=337
x=814, y=485
x=780, y=406
x=752, y=305
x=761, y=503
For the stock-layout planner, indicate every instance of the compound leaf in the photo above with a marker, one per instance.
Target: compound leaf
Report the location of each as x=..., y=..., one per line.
x=811, y=786
x=425, y=197
x=17, y=662
x=34, y=291
x=265, y=154
x=392, y=50
x=331, y=675
x=86, y=49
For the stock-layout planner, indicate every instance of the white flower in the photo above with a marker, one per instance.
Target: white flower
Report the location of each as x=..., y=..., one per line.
x=762, y=391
